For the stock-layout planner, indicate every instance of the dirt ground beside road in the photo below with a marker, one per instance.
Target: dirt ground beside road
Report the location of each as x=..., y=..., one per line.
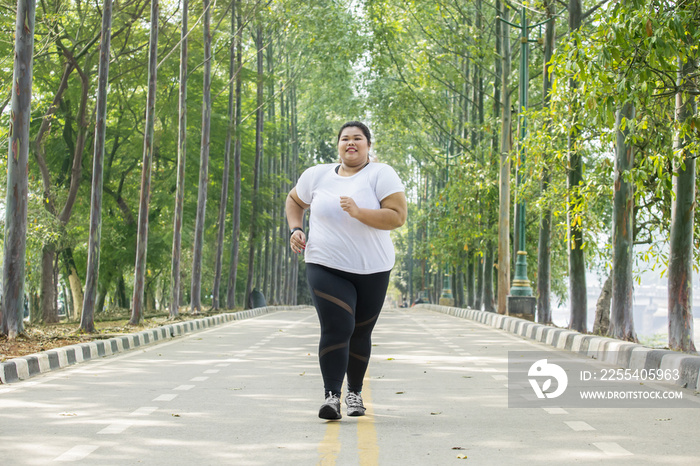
x=38, y=338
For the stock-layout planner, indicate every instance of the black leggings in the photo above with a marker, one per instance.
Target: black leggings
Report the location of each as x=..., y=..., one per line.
x=348, y=305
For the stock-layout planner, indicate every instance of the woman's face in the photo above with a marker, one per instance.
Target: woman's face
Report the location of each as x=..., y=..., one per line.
x=353, y=147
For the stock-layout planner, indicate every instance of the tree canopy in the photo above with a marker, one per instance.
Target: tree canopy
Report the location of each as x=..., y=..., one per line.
x=427, y=76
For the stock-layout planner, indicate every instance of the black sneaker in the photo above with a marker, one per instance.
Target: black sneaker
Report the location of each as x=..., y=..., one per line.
x=354, y=402
x=331, y=408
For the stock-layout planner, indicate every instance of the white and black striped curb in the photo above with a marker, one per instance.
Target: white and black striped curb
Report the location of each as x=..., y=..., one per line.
x=620, y=353
x=25, y=367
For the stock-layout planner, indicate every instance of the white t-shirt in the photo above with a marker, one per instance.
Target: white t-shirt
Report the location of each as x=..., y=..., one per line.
x=337, y=240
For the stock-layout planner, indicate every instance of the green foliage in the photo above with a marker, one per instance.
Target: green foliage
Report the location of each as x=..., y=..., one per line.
x=410, y=69
x=629, y=52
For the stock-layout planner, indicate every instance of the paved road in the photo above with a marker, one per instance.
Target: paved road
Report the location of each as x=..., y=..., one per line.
x=248, y=392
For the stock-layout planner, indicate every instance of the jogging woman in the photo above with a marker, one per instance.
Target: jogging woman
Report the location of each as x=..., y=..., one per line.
x=349, y=256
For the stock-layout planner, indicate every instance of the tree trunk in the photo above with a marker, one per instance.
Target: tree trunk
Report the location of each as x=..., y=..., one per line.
x=601, y=324
x=544, y=306
x=495, y=152
x=271, y=162
x=48, y=285
x=75, y=175
x=233, y=263
x=479, y=298
x=470, y=281
x=15, y=244
x=458, y=287
x=74, y=283
x=504, y=175
x=227, y=167
x=544, y=275
x=87, y=317
x=100, y=301
x=295, y=159
x=145, y=197
x=122, y=301
x=259, y=119
x=196, y=304
x=621, y=316
x=67, y=301
x=680, y=265
x=578, y=301
x=34, y=307
x=181, y=163
x=488, y=279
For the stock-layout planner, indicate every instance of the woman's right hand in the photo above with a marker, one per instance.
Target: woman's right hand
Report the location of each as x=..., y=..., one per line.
x=297, y=241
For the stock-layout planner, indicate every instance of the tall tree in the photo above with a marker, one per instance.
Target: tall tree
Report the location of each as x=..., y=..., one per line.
x=680, y=266
x=15, y=244
x=223, y=204
x=259, y=124
x=578, y=301
x=181, y=163
x=504, y=176
x=196, y=298
x=495, y=157
x=544, y=308
x=77, y=146
x=235, y=235
x=87, y=323
x=621, y=317
x=145, y=197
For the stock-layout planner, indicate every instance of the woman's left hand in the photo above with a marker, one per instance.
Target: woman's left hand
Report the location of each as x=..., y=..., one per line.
x=348, y=205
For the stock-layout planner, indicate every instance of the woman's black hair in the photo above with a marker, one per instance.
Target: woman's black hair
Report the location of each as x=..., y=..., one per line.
x=357, y=124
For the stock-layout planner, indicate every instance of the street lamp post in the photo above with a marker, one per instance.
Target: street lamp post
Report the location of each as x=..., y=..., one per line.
x=520, y=300
x=521, y=284
x=446, y=297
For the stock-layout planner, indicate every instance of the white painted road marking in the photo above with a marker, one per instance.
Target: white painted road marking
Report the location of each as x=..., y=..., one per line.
x=184, y=387
x=612, y=449
x=145, y=411
x=116, y=428
x=77, y=453
x=579, y=426
x=556, y=410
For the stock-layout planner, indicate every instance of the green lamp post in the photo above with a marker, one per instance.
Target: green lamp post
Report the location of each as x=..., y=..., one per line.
x=521, y=283
x=446, y=297
x=520, y=300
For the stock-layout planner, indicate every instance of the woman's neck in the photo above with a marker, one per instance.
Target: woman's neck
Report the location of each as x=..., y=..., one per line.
x=344, y=170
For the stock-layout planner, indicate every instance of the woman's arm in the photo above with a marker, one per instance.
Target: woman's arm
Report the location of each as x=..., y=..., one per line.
x=294, y=208
x=390, y=215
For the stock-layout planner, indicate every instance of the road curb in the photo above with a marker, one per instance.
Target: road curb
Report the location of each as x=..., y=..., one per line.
x=25, y=367
x=623, y=354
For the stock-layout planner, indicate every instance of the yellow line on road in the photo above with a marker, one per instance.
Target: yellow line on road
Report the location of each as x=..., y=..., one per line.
x=329, y=447
x=366, y=431
x=367, y=444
